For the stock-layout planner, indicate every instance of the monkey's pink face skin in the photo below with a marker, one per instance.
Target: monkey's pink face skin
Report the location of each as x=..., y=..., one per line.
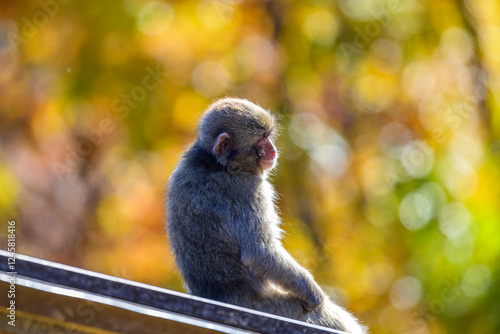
x=267, y=152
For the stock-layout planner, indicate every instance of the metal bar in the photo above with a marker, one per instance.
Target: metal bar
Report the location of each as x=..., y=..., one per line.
x=58, y=279
x=49, y=308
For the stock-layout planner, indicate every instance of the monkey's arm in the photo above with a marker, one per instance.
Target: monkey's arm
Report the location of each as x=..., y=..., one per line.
x=270, y=261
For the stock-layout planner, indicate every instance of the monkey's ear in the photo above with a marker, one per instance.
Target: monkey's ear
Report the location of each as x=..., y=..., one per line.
x=222, y=143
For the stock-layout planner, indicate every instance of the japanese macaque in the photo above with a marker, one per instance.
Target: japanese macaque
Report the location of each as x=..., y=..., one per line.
x=223, y=227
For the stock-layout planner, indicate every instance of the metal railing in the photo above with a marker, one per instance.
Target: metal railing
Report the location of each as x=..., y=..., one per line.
x=53, y=298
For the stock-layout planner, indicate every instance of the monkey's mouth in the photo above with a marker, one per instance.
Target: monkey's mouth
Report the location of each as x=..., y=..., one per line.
x=267, y=163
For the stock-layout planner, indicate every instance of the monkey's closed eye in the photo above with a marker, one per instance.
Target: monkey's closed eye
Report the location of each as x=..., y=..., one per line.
x=266, y=136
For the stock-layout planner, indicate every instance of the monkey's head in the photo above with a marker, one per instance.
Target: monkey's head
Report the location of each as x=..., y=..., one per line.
x=239, y=134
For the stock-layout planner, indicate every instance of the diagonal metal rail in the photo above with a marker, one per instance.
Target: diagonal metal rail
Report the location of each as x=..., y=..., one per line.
x=56, y=298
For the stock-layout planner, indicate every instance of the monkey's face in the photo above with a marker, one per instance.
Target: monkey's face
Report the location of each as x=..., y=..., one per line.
x=239, y=133
x=266, y=152
x=246, y=152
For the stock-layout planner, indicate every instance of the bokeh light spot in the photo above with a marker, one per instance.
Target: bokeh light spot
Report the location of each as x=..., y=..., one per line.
x=321, y=27
x=406, y=292
x=415, y=211
x=476, y=280
x=417, y=159
x=210, y=79
x=419, y=81
x=373, y=93
x=393, y=139
x=387, y=54
x=455, y=220
x=155, y=17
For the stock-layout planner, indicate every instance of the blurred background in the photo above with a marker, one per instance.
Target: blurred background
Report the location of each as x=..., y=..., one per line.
x=389, y=175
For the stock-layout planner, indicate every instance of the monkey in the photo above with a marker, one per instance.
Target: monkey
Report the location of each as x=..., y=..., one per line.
x=223, y=227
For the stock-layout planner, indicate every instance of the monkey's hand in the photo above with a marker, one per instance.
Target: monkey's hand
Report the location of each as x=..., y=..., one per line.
x=278, y=266
x=313, y=295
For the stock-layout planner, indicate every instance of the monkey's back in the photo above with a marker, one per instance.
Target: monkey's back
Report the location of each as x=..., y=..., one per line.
x=203, y=203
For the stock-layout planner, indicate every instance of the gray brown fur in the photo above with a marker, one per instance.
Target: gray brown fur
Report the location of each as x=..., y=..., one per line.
x=224, y=229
